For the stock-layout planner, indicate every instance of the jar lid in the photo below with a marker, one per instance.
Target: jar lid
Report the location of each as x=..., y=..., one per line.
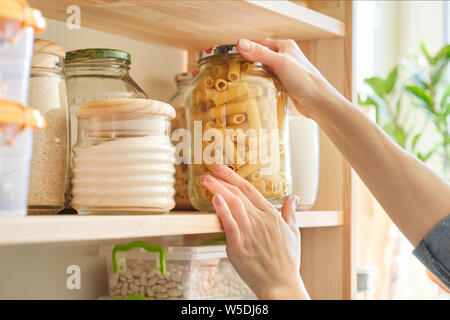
x=46, y=53
x=98, y=53
x=20, y=11
x=217, y=51
x=14, y=113
x=125, y=106
x=186, y=76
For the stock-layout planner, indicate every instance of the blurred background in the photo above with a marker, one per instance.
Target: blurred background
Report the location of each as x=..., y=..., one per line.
x=402, y=81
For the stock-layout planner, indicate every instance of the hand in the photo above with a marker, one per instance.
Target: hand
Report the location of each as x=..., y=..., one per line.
x=306, y=86
x=262, y=244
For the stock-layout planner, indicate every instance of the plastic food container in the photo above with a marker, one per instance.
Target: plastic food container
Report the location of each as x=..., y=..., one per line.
x=16, y=141
x=18, y=22
x=48, y=94
x=139, y=269
x=123, y=161
x=183, y=80
x=304, y=134
x=237, y=115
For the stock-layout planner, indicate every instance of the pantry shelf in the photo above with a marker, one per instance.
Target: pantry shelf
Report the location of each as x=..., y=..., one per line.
x=193, y=25
x=60, y=228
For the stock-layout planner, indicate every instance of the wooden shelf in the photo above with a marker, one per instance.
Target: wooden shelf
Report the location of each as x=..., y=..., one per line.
x=59, y=228
x=197, y=24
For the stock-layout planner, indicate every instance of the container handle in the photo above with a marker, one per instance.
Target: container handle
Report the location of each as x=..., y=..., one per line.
x=143, y=245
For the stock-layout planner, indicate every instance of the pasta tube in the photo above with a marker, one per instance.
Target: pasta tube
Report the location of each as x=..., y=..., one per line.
x=200, y=96
x=231, y=94
x=206, y=82
x=218, y=71
x=257, y=175
x=254, y=119
x=247, y=170
x=231, y=153
x=221, y=85
x=237, y=118
x=234, y=70
x=269, y=117
x=228, y=109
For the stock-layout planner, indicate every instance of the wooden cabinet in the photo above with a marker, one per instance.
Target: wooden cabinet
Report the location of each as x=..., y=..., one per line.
x=324, y=32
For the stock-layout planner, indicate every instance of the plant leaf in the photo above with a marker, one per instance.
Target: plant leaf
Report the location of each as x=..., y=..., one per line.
x=425, y=52
x=377, y=85
x=391, y=79
x=440, y=70
x=422, y=94
x=443, y=53
x=415, y=140
x=368, y=102
x=416, y=74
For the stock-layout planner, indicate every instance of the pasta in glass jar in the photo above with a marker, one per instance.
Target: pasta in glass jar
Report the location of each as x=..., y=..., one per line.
x=236, y=113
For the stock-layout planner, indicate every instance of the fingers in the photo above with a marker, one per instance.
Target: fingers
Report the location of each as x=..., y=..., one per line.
x=255, y=52
x=226, y=218
x=228, y=175
x=288, y=211
x=235, y=204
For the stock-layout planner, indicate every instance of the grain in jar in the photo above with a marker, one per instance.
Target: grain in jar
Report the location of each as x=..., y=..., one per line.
x=48, y=94
x=182, y=200
x=123, y=159
x=236, y=113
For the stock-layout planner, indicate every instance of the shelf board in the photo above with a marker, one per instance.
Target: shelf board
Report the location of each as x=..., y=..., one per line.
x=59, y=228
x=197, y=24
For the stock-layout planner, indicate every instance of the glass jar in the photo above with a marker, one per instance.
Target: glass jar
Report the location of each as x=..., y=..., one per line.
x=304, y=133
x=123, y=159
x=236, y=113
x=48, y=94
x=183, y=80
x=16, y=143
x=97, y=74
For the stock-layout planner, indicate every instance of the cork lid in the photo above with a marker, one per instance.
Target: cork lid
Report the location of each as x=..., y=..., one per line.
x=47, y=54
x=126, y=108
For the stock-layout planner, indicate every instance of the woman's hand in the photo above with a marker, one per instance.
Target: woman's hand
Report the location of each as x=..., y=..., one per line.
x=306, y=86
x=262, y=244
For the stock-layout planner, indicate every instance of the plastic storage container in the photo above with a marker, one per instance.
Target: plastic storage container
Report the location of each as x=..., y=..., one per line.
x=18, y=22
x=183, y=80
x=304, y=137
x=123, y=161
x=48, y=94
x=236, y=113
x=163, y=273
x=16, y=141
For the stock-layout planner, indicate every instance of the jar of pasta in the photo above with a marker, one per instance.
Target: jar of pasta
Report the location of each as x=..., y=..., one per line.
x=123, y=159
x=236, y=114
x=183, y=80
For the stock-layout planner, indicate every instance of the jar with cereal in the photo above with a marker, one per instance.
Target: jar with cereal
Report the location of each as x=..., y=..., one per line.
x=183, y=80
x=236, y=113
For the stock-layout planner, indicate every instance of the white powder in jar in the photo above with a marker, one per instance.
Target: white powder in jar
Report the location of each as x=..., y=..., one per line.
x=47, y=93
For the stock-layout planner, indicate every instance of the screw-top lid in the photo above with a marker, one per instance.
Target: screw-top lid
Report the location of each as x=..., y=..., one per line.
x=217, y=51
x=186, y=76
x=20, y=11
x=14, y=113
x=98, y=54
x=125, y=107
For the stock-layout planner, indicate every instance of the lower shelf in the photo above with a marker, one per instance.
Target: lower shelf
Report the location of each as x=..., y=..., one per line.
x=58, y=228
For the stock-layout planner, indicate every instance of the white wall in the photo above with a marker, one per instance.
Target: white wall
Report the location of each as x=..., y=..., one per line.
x=153, y=66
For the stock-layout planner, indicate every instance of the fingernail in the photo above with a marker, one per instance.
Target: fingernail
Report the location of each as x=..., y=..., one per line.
x=217, y=167
x=218, y=200
x=244, y=45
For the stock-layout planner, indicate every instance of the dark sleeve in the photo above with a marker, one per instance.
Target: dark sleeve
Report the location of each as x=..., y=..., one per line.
x=434, y=251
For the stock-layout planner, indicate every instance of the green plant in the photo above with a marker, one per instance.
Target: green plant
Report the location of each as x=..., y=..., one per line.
x=421, y=86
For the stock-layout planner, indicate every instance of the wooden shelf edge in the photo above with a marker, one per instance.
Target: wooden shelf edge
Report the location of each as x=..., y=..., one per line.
x=64, y=228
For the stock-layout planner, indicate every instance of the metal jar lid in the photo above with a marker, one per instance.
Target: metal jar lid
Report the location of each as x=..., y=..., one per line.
x=217, y=51
x=98, y=53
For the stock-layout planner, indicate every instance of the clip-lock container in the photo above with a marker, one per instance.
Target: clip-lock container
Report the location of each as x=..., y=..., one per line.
x=237, y=114
x=168, y=272
x=16, y=141
x=123, y=159
x=18, y=22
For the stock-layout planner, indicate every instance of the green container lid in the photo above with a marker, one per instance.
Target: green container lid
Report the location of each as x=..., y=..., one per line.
x=98, y=53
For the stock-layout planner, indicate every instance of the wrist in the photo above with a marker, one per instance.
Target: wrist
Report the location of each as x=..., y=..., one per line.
x=294, y=290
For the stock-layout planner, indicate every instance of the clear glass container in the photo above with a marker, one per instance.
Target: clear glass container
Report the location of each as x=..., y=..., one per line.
x=183, y=80
x=123, y=160
x=16, y=143
x=237, y=115
x=96, y=74
x=48, y=94
x=304, y=136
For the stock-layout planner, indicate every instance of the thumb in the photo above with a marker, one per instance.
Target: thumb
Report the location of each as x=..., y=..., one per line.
x=288, y=210
x=255, y=52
